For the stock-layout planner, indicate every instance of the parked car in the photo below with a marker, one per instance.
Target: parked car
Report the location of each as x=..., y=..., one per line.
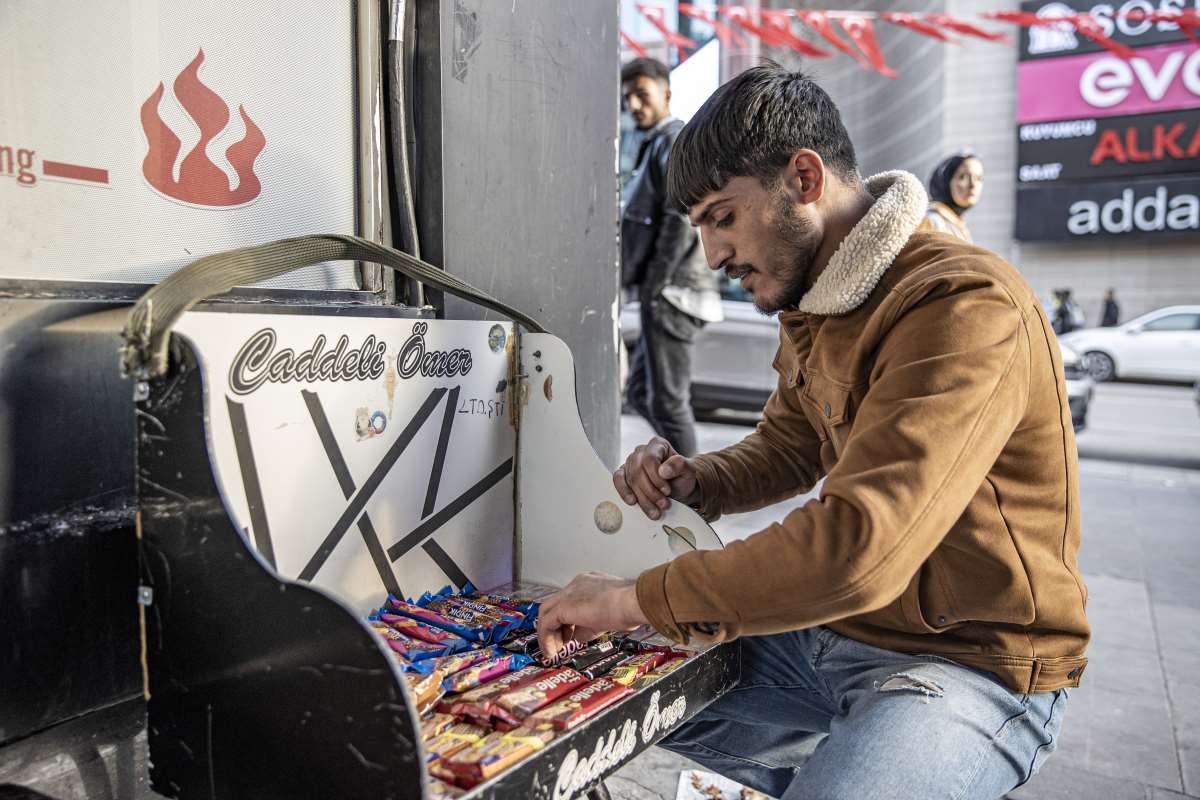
x=1163, y=345
x=731, y=364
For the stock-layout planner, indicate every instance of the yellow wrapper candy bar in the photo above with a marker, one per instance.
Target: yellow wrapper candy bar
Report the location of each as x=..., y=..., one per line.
x=436, y=724
x=450, y=741
x=653, y=675
x=496, y=753
x=440, y=790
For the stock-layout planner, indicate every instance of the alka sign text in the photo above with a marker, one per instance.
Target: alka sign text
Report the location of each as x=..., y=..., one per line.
x=1107, y=146
x=260, y=360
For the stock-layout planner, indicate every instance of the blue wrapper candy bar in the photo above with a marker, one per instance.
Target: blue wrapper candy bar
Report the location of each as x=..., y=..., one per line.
x=456, y=620
x=448, y=665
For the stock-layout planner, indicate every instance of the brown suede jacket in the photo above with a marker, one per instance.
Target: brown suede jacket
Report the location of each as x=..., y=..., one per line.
x=921, y=378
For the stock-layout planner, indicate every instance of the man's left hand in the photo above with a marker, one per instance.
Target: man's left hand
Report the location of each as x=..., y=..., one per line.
x=590, y=604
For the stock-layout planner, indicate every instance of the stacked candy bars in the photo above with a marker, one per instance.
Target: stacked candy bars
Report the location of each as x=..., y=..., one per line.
x=487, y=697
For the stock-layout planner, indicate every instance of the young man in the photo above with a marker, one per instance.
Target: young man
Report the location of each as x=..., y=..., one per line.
x=925, y=615
x=661, y=258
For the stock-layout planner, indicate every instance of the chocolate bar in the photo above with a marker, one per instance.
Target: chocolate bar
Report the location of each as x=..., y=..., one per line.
x=476, y=703
x=427, y=690
x=435, y=724
x=440, y=790
x=590, y=655
x=484, y=671
x=527, y=698
x=579, y=705
x=526, y=644
x=604, y=665
x=496, y=753
x=667, y=667
x=457, y=737
x=637, y=666
x=426, y=633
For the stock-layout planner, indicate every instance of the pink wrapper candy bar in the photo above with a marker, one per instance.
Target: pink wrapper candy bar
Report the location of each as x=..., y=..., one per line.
x=484, y=671
x=523, y=700
x=476, y=703
x=417, y=630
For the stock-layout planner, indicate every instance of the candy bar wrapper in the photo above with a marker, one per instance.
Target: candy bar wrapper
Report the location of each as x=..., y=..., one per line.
x=415, y=629
x=448, y=665
x=477, y=621
x=637, y=666
x=580, y=705
x=605, y=665
x=440, y=603
x=412, y=649
x=440, y=790
x=434, y=725
x=457, y=737
x=485, y=671
x=476, y=703
x=463, y=614
x=527, y=698
x=427, y=690
x=507, y=602
x=497, y=753
x=525, y=644
x=590, y=655
x=654, y=674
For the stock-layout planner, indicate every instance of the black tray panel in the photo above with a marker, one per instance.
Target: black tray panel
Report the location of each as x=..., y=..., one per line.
x=258, y=686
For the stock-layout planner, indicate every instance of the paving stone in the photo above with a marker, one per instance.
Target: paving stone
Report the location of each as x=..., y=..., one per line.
x=1120, y=735
x=1185, y=705
x=1058, y=780
x=653, y=774
x=1119, y=612
x=1130, y=670
x=1157, y=793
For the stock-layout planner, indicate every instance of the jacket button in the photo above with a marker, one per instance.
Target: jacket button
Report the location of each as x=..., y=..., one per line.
x=828, y=410
x=941, y=620
x=1073, y=674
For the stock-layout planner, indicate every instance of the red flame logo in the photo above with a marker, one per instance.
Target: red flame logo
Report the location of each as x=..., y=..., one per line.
x=200, y=180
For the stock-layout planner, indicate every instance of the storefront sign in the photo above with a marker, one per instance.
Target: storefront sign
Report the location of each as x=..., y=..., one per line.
x=1161, y=78
x=1143, y=144
x=1167, y=206
x=1063, y=40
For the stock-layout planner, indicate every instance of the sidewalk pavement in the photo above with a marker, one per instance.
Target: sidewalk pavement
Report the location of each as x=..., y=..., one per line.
x=1132, y=729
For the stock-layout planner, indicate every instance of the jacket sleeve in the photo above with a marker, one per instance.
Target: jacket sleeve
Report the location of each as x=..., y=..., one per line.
x=781, y=459
x=675, y=235
x=949, y=386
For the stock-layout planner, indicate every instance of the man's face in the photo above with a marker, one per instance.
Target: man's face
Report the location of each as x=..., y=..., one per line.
x=646, y=100
x=761, y=236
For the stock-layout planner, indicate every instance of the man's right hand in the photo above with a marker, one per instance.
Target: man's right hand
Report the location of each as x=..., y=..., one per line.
x=654, y=472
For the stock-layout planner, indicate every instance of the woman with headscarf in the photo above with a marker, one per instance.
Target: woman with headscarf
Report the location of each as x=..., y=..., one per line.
x=954, y=187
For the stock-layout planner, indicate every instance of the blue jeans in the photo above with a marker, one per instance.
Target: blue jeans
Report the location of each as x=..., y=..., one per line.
x=885, y=725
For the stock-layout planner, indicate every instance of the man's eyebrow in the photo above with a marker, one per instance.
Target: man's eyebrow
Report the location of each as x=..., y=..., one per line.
x=704, y=212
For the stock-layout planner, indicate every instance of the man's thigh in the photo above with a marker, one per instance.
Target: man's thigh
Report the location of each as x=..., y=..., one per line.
x=925, y=727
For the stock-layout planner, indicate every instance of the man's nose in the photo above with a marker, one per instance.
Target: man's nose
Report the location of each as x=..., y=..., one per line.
x=716, y=252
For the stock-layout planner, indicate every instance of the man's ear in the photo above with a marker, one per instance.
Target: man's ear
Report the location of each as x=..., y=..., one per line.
x=804, y=177
x=667, y=96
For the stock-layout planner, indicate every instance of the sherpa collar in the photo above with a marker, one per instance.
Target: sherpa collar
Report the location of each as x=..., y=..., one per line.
x=871, y=247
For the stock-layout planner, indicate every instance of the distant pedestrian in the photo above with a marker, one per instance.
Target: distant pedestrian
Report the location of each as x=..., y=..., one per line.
x=1067, y=315
x=1112, y=312
x=662, y=259
x=954, y=187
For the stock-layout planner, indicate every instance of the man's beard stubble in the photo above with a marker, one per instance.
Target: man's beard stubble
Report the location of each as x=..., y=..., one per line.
x=798, y=243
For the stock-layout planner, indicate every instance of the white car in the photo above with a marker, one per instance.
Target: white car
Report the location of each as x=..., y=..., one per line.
x=731, y=363
x=1161, y=345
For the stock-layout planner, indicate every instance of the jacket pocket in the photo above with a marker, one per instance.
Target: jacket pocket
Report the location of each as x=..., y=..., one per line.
x=976, y=574
x=831, y=409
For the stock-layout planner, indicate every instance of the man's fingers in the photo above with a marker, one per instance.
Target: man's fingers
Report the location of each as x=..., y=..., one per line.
x=674, y=467
x=622, y=487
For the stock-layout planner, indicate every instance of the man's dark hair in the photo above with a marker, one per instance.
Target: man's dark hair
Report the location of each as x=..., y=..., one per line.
x=751, y=126
x=649, y=67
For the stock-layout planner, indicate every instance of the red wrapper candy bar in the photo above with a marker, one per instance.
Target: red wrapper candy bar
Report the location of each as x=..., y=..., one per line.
x=637, y=666
x=450, y=741
x=579, y=705
x=411, y=649
x=495, y=754
x=476, y=703
x=484, y=671
x=527, y=698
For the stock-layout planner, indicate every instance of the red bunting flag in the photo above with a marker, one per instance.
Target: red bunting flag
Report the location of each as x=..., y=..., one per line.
x=862, y=33
x=965, y=28
x=655, y=15
x=1186, y=18
x=728, y=37
x=819, y=22
x=633, y=45
x=780, y=24
x=914, y=23
x=1084, y=23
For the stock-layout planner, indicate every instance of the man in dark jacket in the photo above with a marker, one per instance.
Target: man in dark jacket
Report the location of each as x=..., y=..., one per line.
x=1112, y=312
x=662, y=258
